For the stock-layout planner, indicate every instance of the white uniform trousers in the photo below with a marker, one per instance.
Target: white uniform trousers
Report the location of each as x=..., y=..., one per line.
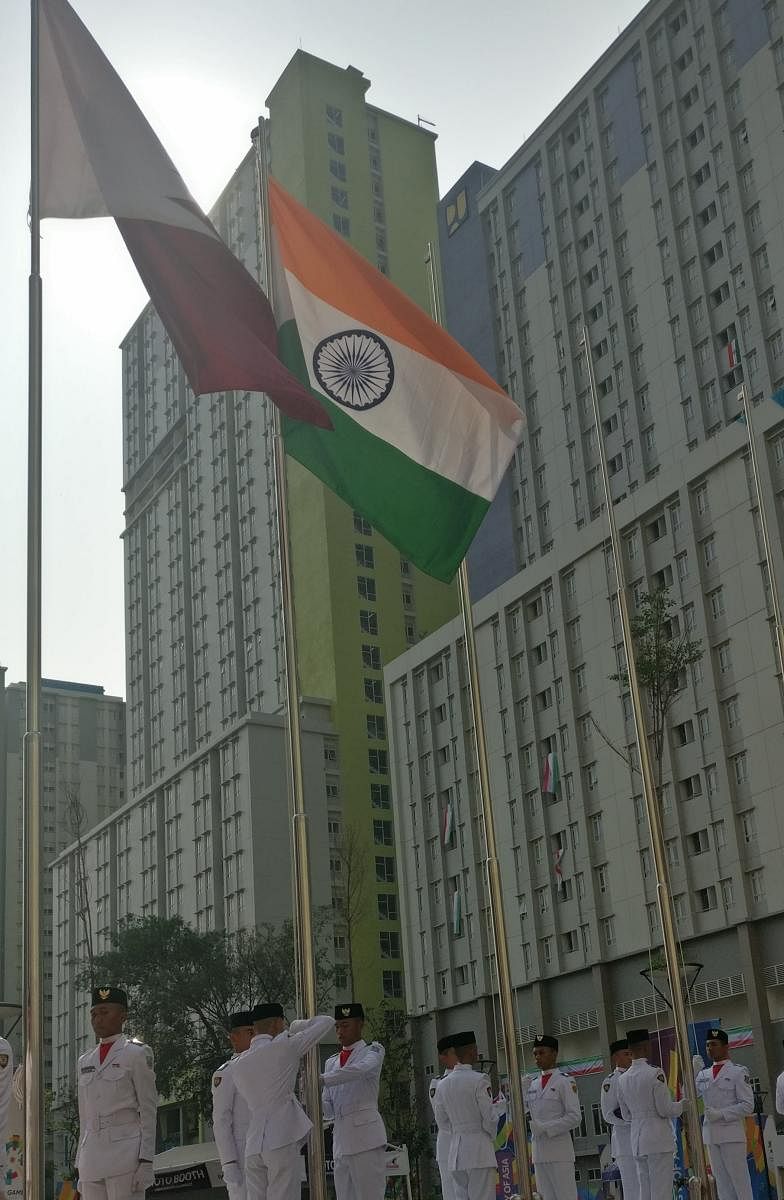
x=447, y=1180
x=236, y=1190
x=475, y=1184
x=731, y=1170
x=274, y=1174
x=630, y=1180
x=555, y=1180
x=656, y=1172
x=114, y=1187
x=360, y=1176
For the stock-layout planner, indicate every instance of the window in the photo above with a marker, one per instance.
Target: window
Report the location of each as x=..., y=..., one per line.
x=607, y=925
x=364, y=555
x=706, y=899
x=366, y=587
x=697, y=843
x=716, y=598
x=334, y=116
x=368, y=621
x=379, y=795
x=724, y=657
x=691, y=787
x=684, y=733
x=597, y=830
x=757, y=885
x=339, y=197
x=378, y=762
x=385, y=869
x=374, y=692
x=731, y=712
x=371, y=657
x=376, y=727
x=392, y=984
x=740, y=767
x=336, y=143
x=748, y=826
x=362, y=525
x=389, y=943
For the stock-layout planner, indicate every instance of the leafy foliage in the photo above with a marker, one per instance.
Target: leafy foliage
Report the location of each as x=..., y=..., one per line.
x=397, y=1101
x=182, y=986
x=662, y=657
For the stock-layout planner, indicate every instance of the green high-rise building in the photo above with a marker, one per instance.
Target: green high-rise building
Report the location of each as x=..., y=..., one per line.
x=201, y=573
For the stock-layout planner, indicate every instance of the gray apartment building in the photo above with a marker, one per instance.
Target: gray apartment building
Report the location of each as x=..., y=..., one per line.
x=83, y=734
x=210, y=842
x=646, y=208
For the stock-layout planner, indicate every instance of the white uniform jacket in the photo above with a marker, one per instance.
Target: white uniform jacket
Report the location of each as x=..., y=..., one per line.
x=6, y=1079
x=118, y=1105
x=444, y=1136
x=464, y=1104
x=230, y=1115
x=780, y=1094
x=350, y=1099
x=621, y=1136
x=555, y=1112
x=646, y=1102
x=728, y=1100
x=265, y=1075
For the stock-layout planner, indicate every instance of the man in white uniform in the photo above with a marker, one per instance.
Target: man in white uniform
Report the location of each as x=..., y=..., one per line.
x=725, y=1089
x=463, y=1103
x=118, y=1105
x=6, y=1080
x=350, y=1098
x=265, y=1076
x=448, y=1060
x=230, y=1114
x=621, y=1138
x=552, y=1101
x=646, y=1102
x=780, y=1093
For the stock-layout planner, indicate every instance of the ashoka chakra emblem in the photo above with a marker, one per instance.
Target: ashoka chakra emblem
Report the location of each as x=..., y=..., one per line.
x=354, y=368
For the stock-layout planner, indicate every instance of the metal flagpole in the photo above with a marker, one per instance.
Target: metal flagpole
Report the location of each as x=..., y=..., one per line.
x=774, y=591
x=33, y=978
x=301, y=869
x=498, y=920
x=670, y=939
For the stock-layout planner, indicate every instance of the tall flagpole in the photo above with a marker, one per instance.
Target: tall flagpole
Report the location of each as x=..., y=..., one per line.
x=33, y=978
x=774, y=591
x=498, y=920
x=301, y=868
x=669, y=935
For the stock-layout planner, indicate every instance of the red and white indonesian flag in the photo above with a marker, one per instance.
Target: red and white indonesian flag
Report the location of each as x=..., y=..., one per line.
x=421, y=433
x=98, y=158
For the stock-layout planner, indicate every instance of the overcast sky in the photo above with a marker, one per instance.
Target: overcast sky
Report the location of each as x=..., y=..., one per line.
x=485, y=75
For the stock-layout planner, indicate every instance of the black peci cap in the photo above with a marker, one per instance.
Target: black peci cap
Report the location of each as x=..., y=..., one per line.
x=635, y=1037
x=466, y=1038
x=445, y=1043
x=717, y=1035
x=343, y=1012
x=621, y=1044
x=544, y=1039
x=263, y=1012
x=240, y=1020
x=109, y=995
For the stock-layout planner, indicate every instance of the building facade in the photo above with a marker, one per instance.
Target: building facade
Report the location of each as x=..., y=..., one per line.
x=646, y=210
x=202, y=590
x=210, y=842
x=83, y=737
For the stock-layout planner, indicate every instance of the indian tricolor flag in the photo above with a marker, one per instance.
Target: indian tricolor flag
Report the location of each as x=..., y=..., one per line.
x=421, y=433
x=99, y=158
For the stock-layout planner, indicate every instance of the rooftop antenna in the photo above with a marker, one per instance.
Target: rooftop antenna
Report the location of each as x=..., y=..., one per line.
x=422, y=121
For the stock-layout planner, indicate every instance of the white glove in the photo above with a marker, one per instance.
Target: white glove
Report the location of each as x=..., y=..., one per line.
x=698, y=1062
x=232, y=1173
x=538, y=1130
x=143, y=1177
x=714, y=1114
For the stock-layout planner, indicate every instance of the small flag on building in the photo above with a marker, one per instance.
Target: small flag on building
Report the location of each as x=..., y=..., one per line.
x=457, y=913
x=449, y=823
x=557, y=869
x=550, y=774
x=733, y=354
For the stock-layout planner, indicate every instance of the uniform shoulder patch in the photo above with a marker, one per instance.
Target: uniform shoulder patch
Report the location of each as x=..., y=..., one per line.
x=149, y=1057
x=574, y=1086
x=660, y=1077
x=216, y=1080
x=605, y=1087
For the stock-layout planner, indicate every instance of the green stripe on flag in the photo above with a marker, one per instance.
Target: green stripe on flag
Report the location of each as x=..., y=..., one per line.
x=431, y=520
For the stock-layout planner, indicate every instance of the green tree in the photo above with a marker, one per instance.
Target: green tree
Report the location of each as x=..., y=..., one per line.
x=662, y=654
x=182, y=985
x=397, y=1100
